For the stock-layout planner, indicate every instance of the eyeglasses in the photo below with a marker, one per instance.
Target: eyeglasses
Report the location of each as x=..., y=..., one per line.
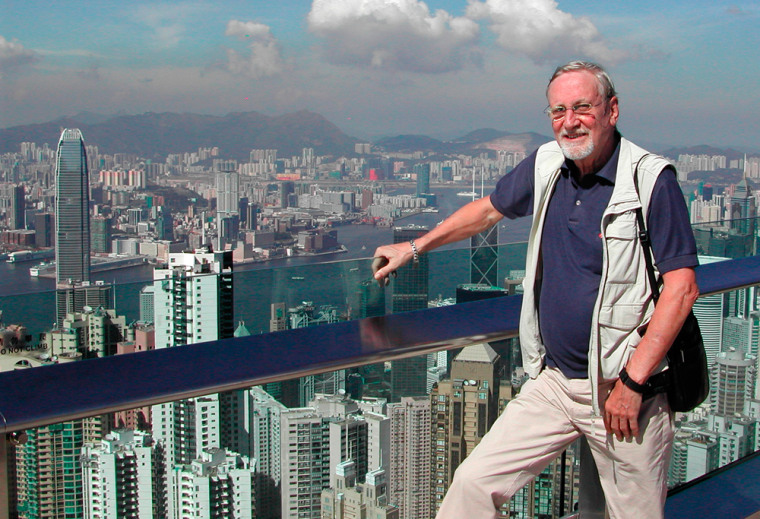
x=557, y=113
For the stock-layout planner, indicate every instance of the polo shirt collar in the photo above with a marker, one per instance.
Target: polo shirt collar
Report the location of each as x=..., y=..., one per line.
x=609, y=170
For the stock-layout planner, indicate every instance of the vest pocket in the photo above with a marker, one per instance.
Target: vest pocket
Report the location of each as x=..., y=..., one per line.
x=622, y=243
x=618, y=330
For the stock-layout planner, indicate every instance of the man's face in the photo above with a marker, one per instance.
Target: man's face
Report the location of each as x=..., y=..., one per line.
x=586, y=138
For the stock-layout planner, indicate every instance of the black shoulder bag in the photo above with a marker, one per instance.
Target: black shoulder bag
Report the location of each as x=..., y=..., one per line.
x=687, y=380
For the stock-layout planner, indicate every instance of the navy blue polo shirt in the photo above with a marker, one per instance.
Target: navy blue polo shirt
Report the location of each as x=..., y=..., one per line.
x=571, y=248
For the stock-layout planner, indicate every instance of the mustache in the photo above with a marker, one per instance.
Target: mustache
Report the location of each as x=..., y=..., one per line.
x=573, y=133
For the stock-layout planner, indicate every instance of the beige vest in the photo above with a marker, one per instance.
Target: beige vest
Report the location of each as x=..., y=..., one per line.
x=624, y=302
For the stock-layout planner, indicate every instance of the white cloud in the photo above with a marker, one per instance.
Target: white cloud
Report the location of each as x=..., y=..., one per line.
x=394, y=35
x=263, y=58
x=168, y=22
x=544, y=33
x=14, y=55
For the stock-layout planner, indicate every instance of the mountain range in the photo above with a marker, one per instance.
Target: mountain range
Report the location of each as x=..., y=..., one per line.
x=155, y=135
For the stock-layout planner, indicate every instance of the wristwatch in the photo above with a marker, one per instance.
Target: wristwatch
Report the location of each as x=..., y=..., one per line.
x=630, y=383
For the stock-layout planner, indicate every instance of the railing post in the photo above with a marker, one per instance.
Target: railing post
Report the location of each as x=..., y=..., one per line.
x=5, y=485
x=591, y=502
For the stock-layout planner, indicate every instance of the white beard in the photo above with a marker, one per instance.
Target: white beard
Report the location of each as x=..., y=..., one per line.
x=578, y=151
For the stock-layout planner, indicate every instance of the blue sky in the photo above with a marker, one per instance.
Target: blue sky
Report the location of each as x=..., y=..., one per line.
x=688, y=72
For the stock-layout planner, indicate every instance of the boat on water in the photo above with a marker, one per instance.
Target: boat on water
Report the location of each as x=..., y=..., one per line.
x=48, y=269
x=30, y=255
x=42, y=269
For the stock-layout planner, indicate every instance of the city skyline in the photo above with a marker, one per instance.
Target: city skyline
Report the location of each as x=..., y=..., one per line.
x=476, y=63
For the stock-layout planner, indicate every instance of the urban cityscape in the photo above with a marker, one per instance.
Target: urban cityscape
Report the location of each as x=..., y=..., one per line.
x=380, y=440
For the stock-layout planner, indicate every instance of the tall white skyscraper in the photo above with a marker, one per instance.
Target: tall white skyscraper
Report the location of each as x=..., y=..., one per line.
x=410, y=468
x=124, y=464
x=72, y=211
x=264, y=412
x=216, y=484
x=732, y=382
x=227, y=204
x=710, y=311
x=193, y=298
x=193, y=302
x=379, y=440
x=305, y=462
x=314, y=440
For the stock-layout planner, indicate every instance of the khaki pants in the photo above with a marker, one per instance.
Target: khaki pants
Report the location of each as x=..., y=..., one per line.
x=548, y=415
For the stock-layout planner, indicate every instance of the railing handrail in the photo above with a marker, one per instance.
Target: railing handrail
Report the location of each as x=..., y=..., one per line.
x=42, y=396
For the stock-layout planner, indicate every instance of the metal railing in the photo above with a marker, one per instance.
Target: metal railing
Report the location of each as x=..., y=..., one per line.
x=37, y=397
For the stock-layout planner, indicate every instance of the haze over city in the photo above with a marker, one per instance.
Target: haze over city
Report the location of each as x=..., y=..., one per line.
x=686, y=73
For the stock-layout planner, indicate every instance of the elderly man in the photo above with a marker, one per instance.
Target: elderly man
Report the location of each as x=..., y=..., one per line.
x=590, y=333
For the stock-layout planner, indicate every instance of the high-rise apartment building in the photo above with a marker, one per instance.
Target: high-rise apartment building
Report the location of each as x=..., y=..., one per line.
x=147, y=304
x=193, y=298
x=732, y=382
x=349, y=441
x=72, y=214
x=378, y=440
x=265, y=413
x=464, y=408
x=193, y=302
x=126, y=464
x=349, y=499
x=218, y=483
x=410, y=472
x=305, y=462
x=710, y=312
x=48, y=471
x=73, y=298
x=49, y=476
x=227, y=203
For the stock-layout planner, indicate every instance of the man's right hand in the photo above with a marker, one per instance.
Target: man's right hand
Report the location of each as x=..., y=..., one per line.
x=388, y=258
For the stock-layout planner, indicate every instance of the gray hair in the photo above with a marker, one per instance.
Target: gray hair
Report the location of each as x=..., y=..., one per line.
x=606, y=87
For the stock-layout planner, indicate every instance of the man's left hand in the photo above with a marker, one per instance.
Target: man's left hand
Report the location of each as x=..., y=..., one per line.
x=621, y=412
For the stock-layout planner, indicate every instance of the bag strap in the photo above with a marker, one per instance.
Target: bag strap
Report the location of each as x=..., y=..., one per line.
x=644, y=239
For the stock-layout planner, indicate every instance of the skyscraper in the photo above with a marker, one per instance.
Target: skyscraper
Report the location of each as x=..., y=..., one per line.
x=732, y=382
x=227, y=203
x=351, y=499
x=193, y=302
x=423, y=178
x=218, y=483
x=410, y=474
x=743, y=209
x=305, y=461
x=17, y=207
x=264, y=412
x=126, y=464
x=193, y=298
x=101, y=234
x=72, y=215
x=484, y=257
x=410, y=292
x=43, y=230
x=466, y=407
